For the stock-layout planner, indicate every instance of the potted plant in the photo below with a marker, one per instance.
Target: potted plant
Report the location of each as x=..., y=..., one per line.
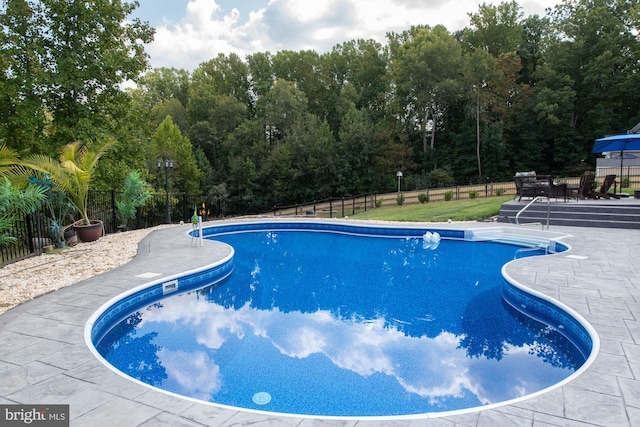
x=72, y=173
x=136, y=193
x=59, y=209
x=55, y=230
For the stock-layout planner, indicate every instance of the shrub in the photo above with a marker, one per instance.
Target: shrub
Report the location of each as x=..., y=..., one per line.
x=423, y=198
x=441, y=178
x=379, y=202
x=448, y=195
x=473, y=194
x=499, y=191
x=135, y=194
x=400, y=199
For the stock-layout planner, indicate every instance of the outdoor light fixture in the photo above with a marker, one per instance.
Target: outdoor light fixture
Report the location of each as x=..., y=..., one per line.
x=399, y=175
x=168, y=164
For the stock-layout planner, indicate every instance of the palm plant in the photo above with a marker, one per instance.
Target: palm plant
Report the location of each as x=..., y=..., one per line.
x=12, y=200
x=71, y=172
x=136, y=193
x=8, y=158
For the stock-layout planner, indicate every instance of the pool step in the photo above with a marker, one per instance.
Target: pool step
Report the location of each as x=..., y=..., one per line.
x=596, y=213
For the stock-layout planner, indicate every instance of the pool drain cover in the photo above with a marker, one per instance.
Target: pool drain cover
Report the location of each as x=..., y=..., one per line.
x=261, y=398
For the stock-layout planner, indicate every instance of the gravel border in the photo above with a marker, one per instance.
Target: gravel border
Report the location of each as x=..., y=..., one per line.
x=26, y=279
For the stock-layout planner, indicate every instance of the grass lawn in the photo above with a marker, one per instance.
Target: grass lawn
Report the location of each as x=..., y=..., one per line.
x=456, y=210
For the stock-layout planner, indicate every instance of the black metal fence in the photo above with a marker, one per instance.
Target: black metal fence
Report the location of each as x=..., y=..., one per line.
x=31, y=232
x=30, y=236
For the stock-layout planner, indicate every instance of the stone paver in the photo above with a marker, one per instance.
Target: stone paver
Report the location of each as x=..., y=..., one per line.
x=44, y=359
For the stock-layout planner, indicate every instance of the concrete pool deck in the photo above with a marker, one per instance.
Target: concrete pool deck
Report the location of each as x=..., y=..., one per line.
x=44, y=358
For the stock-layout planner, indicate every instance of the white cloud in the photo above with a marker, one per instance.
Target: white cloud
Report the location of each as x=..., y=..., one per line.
x=206, y=29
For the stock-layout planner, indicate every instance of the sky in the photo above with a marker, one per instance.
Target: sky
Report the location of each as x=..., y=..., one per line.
x=189, y=32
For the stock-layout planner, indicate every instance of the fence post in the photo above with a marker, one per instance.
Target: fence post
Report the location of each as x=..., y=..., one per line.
x=331, y=208
x=113, y=210
x=342, y=207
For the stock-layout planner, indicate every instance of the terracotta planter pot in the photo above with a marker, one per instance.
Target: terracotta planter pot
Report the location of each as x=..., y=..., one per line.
x=89, y=233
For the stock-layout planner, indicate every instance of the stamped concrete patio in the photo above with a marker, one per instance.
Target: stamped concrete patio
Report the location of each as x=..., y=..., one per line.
x=44, y=358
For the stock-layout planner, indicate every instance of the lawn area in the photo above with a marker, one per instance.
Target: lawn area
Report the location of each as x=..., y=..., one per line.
x=455, y=210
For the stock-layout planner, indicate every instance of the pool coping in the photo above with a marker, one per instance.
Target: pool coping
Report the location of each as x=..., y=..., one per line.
x=45, y=358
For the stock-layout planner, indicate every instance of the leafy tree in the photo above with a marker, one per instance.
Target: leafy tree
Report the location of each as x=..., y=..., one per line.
x=356, y=153
x=22, y=113
x=597, y=57
x=66, y=59
x=166, y=83
x=280, y=108
x=90, y=49
x=243, y=157
x=261, y=73
x=173, y=108
x=223, y=75
x=495, y=29
x=426, y=63
x=308, y=72
x=169, y=143
x=313, y=158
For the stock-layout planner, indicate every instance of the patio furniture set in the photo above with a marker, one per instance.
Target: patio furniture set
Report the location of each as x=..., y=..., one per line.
x=530, y=185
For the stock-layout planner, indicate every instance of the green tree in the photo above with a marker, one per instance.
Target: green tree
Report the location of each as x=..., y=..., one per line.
x=308, y=72
x=223, y=75
x=495, y=29
x=426, y=64
x=242, y=164
x=261, y=73
x=356, y=153
x=280, y=108
x=169, y=143
x=90, y=49
x=163, y=83
x=595, y=57
x=174, y=108
x=63, y=63
x=22, y=113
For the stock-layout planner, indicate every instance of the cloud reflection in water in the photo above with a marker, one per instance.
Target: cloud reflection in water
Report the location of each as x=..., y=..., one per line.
x=394, y=330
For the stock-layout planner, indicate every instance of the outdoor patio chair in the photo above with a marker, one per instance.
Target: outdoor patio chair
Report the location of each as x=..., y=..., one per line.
x=586, y=187
x=528, y=184
x=603, y=192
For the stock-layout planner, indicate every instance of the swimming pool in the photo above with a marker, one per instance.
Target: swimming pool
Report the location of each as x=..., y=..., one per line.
x=372, y=348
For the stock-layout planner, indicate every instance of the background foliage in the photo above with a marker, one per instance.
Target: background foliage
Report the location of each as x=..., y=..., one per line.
x=507, y=93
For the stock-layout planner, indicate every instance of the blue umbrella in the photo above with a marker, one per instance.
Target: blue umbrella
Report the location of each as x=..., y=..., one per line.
x=627, y=141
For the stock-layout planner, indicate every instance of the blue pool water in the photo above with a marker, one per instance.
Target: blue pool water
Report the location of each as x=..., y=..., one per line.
x=318, y=323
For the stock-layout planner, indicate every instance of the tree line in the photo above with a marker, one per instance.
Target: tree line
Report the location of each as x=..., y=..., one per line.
x=507, y=93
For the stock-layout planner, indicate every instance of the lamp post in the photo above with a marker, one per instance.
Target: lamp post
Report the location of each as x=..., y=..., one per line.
x=399, y=175
x=168, y=164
